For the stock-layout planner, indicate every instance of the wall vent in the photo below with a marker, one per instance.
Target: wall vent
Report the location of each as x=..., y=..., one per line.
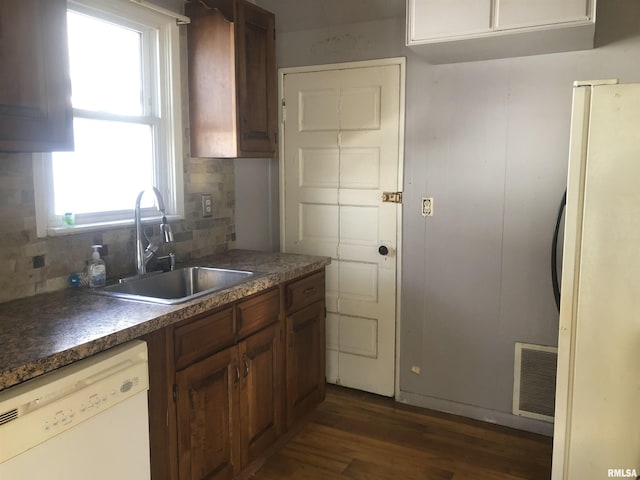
x=534, y=382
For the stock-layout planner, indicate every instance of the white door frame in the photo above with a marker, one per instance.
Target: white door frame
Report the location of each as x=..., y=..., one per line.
x=401, y=62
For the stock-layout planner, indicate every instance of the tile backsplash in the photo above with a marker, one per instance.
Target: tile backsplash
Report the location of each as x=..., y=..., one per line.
x=31, y=265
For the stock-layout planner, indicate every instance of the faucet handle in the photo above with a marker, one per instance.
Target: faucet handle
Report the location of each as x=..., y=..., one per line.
x=150, y=251
x=171, y=260
x=166, y=231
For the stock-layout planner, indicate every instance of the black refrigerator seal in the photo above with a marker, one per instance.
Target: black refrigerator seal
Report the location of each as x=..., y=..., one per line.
x=554, y=252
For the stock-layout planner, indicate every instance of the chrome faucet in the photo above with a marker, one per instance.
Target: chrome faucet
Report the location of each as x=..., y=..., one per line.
x=144, y=254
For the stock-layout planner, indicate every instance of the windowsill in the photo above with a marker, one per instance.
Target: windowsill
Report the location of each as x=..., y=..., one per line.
x=94, y=227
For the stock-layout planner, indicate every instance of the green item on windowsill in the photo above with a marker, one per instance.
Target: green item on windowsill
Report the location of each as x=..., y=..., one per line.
x=69, y=218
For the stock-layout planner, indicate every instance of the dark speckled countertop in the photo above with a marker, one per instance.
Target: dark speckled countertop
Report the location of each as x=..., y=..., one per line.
x=39, y=334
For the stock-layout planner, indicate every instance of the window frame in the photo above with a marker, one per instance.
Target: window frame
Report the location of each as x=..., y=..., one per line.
x=163, y=108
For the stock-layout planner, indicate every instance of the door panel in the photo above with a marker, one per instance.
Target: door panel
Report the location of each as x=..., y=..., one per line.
x=360, y=108
x=318, y=229
x=319, y=110
x=341, y=152
x=319, y=167
x=360, y=168
x=359, y=336
x=359, y=225
x=208, y=437
x=261, y=390
x=359, y=282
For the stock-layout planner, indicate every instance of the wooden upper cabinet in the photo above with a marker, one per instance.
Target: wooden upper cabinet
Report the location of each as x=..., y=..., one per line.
x=232, y=79
x=35, y=89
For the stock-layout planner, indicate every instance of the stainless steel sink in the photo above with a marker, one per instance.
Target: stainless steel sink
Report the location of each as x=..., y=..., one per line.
x=176, y=286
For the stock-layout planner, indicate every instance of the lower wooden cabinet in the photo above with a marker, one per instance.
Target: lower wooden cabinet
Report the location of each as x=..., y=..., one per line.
x=229, y=407
x=207, y=415
x=305, y=360
x=223, y=385
x=261, y=393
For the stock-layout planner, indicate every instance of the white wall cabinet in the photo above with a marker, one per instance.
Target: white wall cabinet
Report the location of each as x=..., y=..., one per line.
x=525, y=13
x=436, y=19
x=460, y=30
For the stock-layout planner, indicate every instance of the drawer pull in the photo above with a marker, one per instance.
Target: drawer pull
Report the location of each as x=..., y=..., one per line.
x=309, y=291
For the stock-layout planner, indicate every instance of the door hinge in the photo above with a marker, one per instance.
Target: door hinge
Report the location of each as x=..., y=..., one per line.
x=175, y=392
x=392, y=197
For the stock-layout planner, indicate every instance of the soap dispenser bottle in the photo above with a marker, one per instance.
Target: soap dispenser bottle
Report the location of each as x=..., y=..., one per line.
x=96, y=269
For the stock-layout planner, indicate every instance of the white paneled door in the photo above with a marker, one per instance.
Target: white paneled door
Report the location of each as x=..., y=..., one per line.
x=342, y=144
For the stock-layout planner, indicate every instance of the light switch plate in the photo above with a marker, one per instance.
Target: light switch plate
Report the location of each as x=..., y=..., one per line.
x=207, y=205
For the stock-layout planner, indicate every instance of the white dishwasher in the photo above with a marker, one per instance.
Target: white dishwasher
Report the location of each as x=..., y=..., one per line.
x=88, y=420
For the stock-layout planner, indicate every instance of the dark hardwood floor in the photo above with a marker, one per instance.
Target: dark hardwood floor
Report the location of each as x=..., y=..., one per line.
x=354, y=435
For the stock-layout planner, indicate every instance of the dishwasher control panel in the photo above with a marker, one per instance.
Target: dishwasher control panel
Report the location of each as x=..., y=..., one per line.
x=89, y=403
x=37, y=410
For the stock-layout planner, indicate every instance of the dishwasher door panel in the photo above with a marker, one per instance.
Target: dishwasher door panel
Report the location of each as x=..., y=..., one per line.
x=111, y=445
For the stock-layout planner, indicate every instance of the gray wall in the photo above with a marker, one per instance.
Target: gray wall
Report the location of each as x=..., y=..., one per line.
x=489, y=141
x=256, y=195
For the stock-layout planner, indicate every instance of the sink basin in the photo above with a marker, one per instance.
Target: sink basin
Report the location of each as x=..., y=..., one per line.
x=176, y=286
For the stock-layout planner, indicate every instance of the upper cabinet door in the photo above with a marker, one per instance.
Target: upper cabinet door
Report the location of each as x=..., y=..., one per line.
x=232, y=79
x=446, y=31
x=35, y=91
x=525, y=13
x=257, y=85
x=448, y=18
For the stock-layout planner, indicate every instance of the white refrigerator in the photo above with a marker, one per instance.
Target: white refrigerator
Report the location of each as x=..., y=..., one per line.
x=597, y=416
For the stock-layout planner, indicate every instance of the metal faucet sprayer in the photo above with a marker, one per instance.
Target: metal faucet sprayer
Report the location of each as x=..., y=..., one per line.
x=143, y=255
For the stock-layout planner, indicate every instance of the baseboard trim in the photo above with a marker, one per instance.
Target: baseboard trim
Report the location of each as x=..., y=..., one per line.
x=477, y=413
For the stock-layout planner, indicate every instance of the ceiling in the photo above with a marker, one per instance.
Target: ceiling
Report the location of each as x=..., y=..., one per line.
x=292, y=15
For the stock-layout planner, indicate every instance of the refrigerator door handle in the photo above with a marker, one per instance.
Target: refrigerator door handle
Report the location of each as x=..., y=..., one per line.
x=554, y=252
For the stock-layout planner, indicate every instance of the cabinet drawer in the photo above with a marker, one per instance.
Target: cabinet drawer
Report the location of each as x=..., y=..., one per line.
x=257, y=312
x=202, y=337
x=305, y=291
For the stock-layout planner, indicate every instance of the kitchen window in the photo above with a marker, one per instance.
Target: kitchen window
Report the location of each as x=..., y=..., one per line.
x=124, y=69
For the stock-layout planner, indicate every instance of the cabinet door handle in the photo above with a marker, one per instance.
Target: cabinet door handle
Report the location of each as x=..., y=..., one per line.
x=245, y=363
